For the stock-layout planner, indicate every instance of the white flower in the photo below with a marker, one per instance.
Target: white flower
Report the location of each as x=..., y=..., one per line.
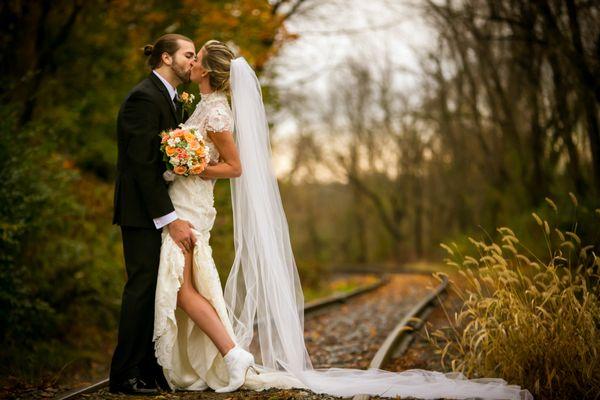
x=171, y=142
x=190, y=163
x=177, y=140
x=174, y=161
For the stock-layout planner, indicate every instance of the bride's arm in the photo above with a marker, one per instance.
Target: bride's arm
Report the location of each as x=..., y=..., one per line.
x=230, y=165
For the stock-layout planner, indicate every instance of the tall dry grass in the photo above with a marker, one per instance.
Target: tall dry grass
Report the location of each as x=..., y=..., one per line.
x=530, y=319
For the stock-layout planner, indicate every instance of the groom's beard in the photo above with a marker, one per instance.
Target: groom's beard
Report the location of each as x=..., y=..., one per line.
x=182, y=74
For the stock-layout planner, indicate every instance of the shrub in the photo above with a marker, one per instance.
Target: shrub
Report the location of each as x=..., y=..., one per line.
x=60, y=261
x=530, y=319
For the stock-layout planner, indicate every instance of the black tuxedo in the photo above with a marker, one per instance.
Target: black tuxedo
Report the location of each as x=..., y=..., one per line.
x=140, y=196
x=140, y=191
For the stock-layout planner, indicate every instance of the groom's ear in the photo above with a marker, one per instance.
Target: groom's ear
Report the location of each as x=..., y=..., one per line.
x=166, y=59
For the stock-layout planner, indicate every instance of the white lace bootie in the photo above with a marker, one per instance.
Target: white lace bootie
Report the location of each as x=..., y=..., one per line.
x=237, y=361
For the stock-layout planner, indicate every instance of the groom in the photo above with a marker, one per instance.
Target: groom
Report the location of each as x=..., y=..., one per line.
x=142, y=207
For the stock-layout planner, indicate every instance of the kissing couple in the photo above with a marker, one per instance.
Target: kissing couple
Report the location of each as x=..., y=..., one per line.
x=178, y=329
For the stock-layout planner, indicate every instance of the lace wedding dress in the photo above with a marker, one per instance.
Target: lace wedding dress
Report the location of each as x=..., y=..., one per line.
x=263, y=292
x=189, y=359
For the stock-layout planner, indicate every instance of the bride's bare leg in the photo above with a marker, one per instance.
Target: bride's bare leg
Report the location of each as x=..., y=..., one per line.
x=201, y=311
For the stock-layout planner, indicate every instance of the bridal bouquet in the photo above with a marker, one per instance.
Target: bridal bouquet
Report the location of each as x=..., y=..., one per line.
x=184, y=151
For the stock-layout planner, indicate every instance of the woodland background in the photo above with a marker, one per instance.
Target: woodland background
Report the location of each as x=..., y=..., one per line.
x=507, y=115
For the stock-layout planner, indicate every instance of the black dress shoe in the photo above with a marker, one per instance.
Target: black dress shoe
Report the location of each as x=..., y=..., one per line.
x=161, y=383
x=134, y=386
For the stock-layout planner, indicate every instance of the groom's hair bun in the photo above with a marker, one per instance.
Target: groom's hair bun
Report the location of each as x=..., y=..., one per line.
x=168, y=43
x=216, y=59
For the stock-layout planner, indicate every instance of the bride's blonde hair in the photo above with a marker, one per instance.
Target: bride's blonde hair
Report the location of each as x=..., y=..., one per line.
x=216, y=59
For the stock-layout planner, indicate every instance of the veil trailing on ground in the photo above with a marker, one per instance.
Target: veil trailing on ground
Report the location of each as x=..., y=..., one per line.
x=263, y=288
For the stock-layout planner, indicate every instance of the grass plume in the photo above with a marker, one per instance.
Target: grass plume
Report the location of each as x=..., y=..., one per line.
x=533, y=320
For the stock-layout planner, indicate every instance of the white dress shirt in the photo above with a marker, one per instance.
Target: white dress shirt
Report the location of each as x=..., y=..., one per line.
x=172, y=216
x=172, y=91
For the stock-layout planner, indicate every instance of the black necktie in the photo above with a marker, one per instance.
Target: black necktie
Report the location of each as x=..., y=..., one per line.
x=176, y=100
x=178, y=106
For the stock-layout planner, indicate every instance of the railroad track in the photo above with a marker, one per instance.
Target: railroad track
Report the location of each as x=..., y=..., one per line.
x=396, y=343
x=399, y=340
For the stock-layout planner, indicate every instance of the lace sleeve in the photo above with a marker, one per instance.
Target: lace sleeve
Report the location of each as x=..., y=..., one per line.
x=219, y=120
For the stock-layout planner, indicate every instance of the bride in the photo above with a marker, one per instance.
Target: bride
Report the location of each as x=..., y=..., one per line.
x=201, y=333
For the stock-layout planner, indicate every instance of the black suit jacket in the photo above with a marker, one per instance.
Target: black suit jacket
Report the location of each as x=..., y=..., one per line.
x=140, y=190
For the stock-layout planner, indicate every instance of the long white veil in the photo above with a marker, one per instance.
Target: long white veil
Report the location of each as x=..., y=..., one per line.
x=263, y=287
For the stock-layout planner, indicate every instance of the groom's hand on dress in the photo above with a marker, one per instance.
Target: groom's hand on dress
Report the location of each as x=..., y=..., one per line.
x=181, y=233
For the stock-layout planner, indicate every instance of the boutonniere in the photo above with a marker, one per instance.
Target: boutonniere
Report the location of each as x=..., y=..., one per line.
x=187, y=101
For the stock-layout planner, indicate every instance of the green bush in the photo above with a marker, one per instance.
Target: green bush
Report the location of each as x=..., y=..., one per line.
x=61, y=271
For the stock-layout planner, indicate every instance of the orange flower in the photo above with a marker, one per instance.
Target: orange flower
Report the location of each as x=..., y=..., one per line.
x=180, y=170
x=200, y=151
x=196, y=170
x=189, y=137
x=194, y=145
x=170, y=150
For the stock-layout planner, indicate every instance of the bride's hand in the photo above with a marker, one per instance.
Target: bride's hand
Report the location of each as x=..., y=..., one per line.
x=204, y=173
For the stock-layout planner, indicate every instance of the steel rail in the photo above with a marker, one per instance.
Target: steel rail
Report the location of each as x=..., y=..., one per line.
x=401, y=337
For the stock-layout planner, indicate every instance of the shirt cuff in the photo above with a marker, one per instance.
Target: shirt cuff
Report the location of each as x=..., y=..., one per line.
x=165, y=219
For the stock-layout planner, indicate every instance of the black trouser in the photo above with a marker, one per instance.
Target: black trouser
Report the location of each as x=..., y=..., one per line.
x=134, y=354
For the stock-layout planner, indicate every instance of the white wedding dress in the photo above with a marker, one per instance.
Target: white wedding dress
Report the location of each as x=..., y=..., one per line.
x=189, y=359
x=263, y=292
